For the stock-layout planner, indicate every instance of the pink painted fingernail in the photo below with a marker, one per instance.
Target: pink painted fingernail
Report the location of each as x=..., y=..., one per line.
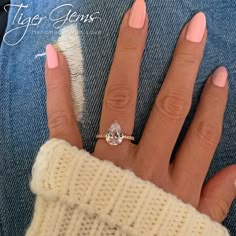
x=138, y=14
x=52, y=57
x=219, y=77
x=196, y=28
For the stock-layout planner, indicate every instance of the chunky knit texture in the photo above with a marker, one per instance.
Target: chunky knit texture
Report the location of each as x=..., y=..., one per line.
x=78, y=194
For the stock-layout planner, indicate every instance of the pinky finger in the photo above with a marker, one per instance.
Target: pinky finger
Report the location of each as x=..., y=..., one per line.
x=61, y=118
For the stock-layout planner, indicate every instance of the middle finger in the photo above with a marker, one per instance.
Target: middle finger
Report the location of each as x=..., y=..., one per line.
x=174, y=100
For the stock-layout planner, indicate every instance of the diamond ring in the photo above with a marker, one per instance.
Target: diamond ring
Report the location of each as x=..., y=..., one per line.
x=114, y=135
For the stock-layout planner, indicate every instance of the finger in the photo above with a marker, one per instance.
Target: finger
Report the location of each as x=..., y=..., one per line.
x=174, y=100
x=218, y=194
x=120, y=97
x=196, y=151
x=61, y=119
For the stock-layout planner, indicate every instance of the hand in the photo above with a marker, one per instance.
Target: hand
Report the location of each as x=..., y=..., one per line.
x=150, y=159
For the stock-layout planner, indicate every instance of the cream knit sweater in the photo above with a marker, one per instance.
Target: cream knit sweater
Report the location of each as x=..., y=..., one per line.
x=78, y=194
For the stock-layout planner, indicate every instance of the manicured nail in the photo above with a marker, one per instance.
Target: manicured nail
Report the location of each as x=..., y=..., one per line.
x=235, y=183
x=138, y=14
x=219, y=77
x=196, y=28
x=52, y=58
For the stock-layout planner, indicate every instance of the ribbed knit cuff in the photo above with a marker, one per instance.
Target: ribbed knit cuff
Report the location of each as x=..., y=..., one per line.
x=78, y=194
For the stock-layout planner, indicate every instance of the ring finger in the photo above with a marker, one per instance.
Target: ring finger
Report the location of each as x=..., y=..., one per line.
x=121, y=91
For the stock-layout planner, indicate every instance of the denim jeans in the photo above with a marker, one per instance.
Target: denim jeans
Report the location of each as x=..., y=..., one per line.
x=23, y=119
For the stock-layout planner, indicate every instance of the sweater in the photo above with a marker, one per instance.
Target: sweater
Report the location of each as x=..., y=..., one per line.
x=78, y=194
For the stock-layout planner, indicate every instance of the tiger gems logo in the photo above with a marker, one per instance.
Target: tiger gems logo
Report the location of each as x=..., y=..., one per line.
x=58, y=17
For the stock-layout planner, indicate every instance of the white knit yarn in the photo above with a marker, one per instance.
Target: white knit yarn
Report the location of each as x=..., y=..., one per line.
x=78, y=194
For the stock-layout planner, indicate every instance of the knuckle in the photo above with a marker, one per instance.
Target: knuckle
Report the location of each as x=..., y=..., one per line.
x=129, y=43
x=58, y=122
x=213, y=98
x=191, y=59
x=220, y=210
x=55, y=86
x=174, y=106
x=119, y=97
x=208, y=133
x=183, y=190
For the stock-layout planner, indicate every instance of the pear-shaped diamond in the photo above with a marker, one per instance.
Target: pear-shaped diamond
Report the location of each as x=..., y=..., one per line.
x=114, y=135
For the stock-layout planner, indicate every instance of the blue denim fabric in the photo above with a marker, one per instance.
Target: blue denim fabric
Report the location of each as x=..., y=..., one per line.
x=23, y=121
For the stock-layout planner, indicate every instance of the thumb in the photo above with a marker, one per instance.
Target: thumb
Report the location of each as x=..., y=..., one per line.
x=61, y=118
x=218, y=194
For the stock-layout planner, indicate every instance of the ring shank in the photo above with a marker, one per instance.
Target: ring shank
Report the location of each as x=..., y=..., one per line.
x=124, y=136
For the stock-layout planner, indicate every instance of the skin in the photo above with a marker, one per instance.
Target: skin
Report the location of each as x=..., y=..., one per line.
x=150, y=158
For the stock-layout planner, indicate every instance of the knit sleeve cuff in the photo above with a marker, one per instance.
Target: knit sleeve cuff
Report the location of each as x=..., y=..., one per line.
x=78, y=194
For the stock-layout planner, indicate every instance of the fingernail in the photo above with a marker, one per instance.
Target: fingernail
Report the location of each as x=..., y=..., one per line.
x=137, y=14
x=235, y=183
x=219, y=77
x=52, y=58
x=196, y=28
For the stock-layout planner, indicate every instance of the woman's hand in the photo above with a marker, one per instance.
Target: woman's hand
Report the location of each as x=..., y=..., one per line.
x=150, y=159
